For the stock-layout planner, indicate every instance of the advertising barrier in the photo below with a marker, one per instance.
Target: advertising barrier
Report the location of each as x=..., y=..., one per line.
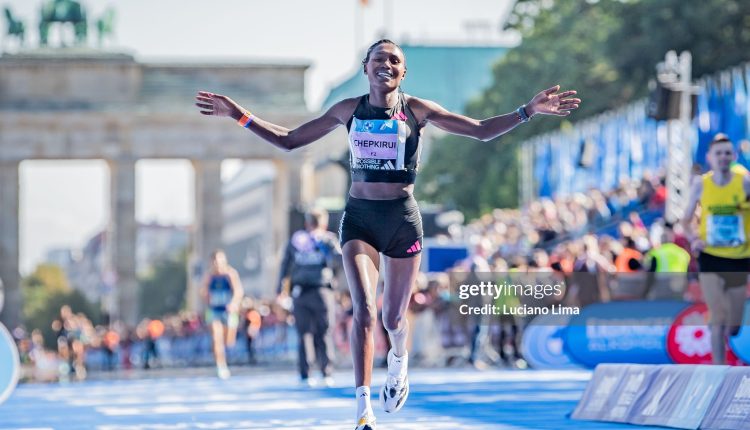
x=678, y=396
x=730, y=409
x=622, y=332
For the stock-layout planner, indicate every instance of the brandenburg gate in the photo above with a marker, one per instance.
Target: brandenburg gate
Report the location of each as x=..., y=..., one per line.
x=78, y=103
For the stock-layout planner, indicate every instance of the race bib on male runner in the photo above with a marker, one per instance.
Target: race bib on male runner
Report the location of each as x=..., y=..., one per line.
x=377, y=144
x=725, y=230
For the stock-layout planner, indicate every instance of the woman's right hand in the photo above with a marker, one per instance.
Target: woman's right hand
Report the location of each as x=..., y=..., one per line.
x=218, y=105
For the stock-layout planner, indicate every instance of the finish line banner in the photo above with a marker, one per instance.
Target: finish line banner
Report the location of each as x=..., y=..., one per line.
x=697, y=397
x=678, y=396
x=612, y=391
x=730, y=409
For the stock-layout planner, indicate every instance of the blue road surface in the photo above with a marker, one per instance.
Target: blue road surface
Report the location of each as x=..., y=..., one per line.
x=440, y=399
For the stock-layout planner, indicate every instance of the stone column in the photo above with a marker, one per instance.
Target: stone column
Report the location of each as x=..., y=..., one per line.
x=281, y=208
x=10, y=314
x=306, y=183
x=300, y=181
x=122, y=239
x=280, y=221
x=208, y=225
x=293, y=188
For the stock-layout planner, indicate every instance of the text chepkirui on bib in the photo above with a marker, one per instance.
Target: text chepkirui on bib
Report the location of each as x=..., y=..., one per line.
x=377, y=144
x=725, y=230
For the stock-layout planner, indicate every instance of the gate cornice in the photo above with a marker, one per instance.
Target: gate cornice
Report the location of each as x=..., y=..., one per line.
x=88, y=135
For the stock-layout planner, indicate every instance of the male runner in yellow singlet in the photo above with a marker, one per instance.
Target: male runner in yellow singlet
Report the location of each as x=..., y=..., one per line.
x=722, y=240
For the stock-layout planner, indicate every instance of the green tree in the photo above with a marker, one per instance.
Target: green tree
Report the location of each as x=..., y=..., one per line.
x=605, y=49
x=163, y=290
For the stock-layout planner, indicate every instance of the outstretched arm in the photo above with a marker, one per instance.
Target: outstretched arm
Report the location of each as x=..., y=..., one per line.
x=547, y=102
x=281, y=137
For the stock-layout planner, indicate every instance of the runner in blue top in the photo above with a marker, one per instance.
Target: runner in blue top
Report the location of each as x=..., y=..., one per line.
x=222, y=293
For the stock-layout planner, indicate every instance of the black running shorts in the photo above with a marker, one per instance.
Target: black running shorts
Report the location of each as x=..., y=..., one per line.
x=393, y=227
x=733, y=270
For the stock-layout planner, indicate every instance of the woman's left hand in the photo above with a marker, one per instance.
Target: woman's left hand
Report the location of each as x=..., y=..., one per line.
x=550, y=102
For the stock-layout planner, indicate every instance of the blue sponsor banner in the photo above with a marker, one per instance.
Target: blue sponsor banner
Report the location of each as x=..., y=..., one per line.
x=659, y=402
x=730, y=409
x=740, y=344
x=9, y=364
x=622, y=332
x=697, y=396
x=735, y=110
x=542, y=169
x=542, y=344
x=440, y=258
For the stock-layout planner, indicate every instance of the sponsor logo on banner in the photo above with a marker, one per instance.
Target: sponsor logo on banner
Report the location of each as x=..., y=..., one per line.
x=542, y=344
x=689, y=338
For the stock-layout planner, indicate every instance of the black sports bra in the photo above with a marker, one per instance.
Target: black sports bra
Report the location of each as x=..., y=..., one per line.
x=383, y=142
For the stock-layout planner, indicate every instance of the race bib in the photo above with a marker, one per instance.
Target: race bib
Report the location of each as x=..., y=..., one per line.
x=377, y=144
x=725, y=230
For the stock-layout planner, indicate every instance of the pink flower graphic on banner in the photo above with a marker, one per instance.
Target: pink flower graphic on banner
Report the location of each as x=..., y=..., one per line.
x=693, y=337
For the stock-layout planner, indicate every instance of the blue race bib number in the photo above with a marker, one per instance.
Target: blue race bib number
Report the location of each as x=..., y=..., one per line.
x=725, y=230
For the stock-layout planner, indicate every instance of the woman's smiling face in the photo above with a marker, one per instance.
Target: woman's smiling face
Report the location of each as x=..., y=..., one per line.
x=386, y=67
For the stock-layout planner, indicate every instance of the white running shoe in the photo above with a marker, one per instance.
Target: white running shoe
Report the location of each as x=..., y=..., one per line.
x=395, y=391
x=308, y=382
x=366, y=422
x=223, y=372
x=328, y=381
